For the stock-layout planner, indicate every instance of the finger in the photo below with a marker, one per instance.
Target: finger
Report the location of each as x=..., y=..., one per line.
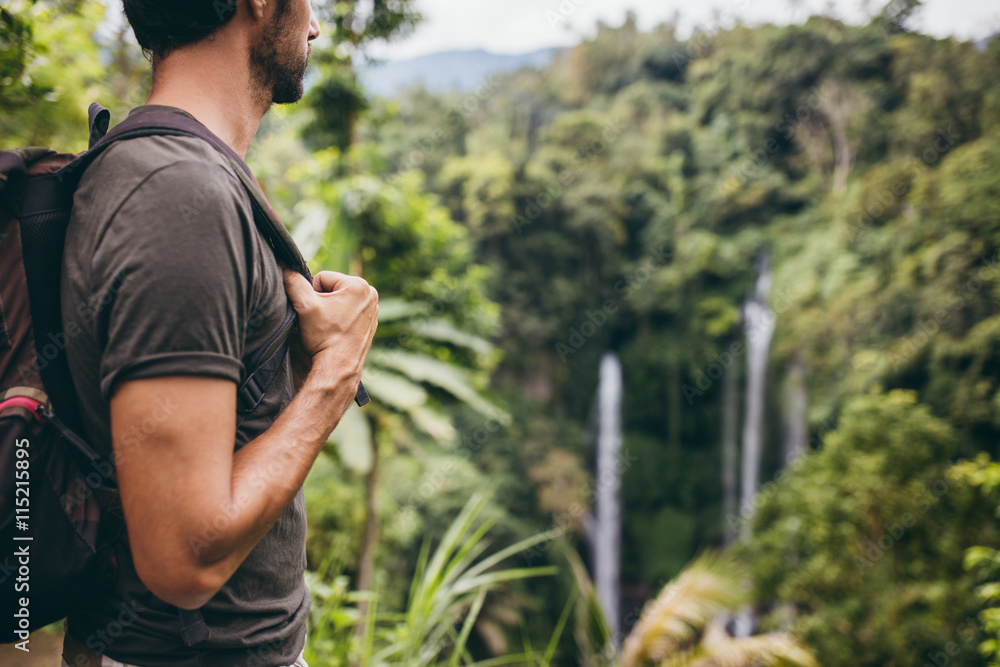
x=298, y=289
x=328, y=281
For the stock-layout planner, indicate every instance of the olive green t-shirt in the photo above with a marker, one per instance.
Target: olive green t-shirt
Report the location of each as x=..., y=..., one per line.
x=164, y=273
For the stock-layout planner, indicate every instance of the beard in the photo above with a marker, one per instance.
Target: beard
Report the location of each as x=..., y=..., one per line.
x=277, y=64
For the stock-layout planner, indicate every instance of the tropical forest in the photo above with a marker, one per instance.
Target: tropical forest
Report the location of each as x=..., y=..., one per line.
x=688, y=348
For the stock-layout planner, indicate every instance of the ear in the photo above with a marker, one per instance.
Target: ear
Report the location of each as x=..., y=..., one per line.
x=257, y=8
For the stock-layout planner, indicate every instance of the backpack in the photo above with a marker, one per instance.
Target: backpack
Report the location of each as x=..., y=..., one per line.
x=59, y=509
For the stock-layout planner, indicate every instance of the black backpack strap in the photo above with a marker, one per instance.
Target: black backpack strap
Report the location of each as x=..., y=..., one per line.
x=100, y=119
x=168, y=123
x=265, y=365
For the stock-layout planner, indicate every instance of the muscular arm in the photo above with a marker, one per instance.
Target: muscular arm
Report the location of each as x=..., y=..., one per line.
x=183, y=483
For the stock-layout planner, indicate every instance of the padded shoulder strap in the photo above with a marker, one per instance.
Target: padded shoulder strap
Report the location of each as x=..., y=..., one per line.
x=159, y=123
x=99, y=119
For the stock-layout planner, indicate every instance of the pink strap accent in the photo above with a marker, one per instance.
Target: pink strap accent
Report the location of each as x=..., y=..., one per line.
x=29, y=404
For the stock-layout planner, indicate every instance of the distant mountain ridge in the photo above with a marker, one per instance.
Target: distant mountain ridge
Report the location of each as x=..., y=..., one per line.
x=445, y=71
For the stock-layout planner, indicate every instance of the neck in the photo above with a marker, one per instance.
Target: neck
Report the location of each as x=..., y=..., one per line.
x=203, y=80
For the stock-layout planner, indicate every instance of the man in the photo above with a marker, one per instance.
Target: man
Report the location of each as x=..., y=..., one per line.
x=162, y=241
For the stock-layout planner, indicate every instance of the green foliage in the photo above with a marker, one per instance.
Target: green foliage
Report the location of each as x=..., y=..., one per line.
x=984, y=561
x=647, y=175
x=448, y=590
x=337, y=99
x=49, y=70
x=901, y=290
x=433, y=311
x=859, y=546
x=16, y=35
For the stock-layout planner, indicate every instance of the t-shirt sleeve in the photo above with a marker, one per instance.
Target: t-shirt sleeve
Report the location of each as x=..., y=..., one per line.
x=170, y=274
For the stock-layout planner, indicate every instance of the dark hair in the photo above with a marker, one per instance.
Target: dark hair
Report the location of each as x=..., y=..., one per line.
x=161, y=26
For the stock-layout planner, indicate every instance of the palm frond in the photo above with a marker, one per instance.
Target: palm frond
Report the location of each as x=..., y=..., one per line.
x=710, y=586
x=393, y=389
x=353, y=440
x=444, y=331
x=775, y=648
x=422, y=368
x=391, y=310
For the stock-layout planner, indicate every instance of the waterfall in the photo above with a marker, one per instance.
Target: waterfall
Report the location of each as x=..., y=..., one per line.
x=758, y=322
x=759, y=326
x=606, y=536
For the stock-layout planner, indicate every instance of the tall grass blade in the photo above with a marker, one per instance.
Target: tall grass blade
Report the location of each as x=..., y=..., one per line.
x=470, y=620
x=550, y=650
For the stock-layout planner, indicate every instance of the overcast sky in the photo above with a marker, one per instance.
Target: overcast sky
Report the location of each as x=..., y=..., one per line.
x=518, y=26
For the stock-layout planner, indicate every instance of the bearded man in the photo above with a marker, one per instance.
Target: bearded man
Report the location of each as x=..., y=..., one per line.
x=162, y=238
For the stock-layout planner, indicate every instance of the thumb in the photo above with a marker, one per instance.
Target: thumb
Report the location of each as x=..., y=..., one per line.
x=299, y=291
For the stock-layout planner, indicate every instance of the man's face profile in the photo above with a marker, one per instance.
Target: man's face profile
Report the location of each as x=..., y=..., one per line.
x=280, y=56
